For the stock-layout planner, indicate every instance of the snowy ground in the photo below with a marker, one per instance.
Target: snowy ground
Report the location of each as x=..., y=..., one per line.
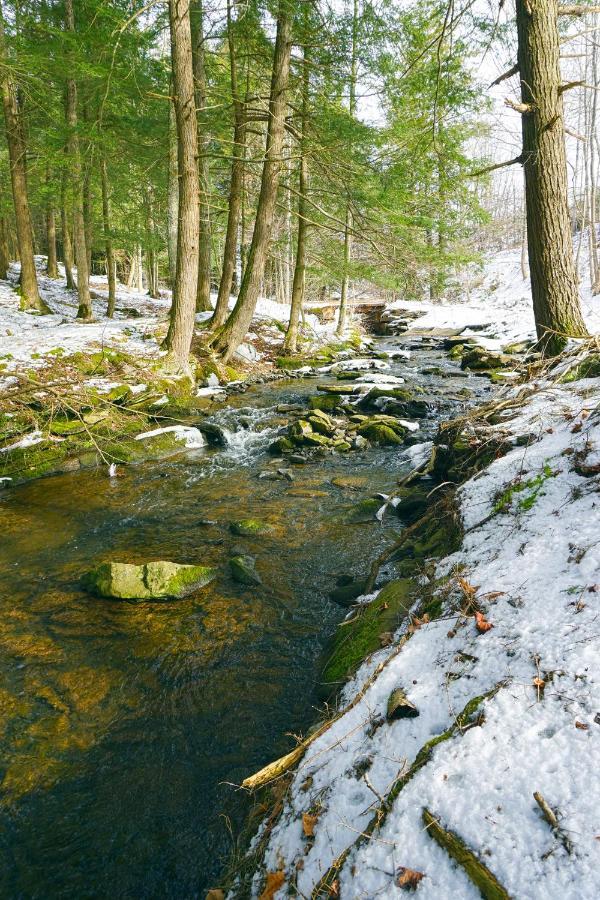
x=137, y=328
x=496, y=303
x=532, y=555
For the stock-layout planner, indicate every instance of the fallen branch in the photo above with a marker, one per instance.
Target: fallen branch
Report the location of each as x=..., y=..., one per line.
x=487, y=883
x=552, y=820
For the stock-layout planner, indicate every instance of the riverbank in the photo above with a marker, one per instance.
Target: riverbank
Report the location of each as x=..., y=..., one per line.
x=464, y=750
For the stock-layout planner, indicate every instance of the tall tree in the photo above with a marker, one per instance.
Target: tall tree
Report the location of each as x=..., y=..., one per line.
x=227, y=340
x=111, y=271
x=183, y=309
x=17, y=152
x=203, y=303
x=84, y=311
x=555, y=294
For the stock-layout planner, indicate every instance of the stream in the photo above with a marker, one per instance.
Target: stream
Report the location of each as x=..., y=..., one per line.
x=123, y=726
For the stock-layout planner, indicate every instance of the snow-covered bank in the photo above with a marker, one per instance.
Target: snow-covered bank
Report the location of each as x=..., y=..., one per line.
x=529, y=562
x=137, y=328
x=495, y=303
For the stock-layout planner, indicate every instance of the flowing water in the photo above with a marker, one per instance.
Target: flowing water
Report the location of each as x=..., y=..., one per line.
x=123, y=726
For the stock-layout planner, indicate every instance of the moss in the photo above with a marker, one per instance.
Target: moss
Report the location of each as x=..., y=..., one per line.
x=325, y=402
x=291, y=363
x=159, y=580
x=364, y=511
x=250, y=527
x=380, y=433
x=354, y=642
x=588, y=368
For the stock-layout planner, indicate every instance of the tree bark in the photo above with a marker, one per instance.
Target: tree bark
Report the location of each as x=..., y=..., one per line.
x=111, y=270
x=298, y=286
x=555, y=295
x=172, y=196
x=181, y=329
x=17, y=154
x=52, y=267
x=203, y=303
x=67, y=247
x=84, y=311
x=236, y=185
x=4, y=253
x=233, y=332
x=343, y=314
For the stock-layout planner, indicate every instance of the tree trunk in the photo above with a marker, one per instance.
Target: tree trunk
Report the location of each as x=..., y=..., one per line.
x=181, y=329
x=52, y=268
x=111, y=270
x=233, y=332
x=291, y=337
x=203, y=303
x=17, y=154
x=236, y=186
x=4, y=254
x=81, y=259
x=88, y=200
x=343, y=314
x=556, y=303
x=67, y=247
x=172, y=196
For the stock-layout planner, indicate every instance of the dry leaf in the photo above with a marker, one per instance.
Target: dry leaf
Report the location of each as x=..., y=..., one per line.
x=308, y=824
x=481, y=623
x=334, y=890
x=215, y=894
x=408, y=879
x=468, y=589
x=582, y=726
x=576, y=428
x=275, y=880
x=493, y=595
x=386, y=638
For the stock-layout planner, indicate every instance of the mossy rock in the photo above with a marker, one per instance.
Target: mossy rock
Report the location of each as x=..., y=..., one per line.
x=380, y=433
x=588, y=368
x=250, y=527
x=363, y=512
x=354, y=642
x=65, y=427
x=160, y=580
x=243, y=570
x=325, y=402
x=480, y=359
x=281, y=445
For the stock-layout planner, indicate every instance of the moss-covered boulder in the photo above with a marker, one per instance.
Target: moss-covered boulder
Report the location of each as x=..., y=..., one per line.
x=242, y=569
x=363, y=511
x=281, y=445
x=250, y=527
x=160, y=580
x=325, y=402
x=320, y=422
x=479, y=359
x=381, y=433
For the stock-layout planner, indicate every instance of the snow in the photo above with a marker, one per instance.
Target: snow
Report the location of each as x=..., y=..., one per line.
x=535, y=560
x=28, y=440
x=191, y=437
x=496, y=308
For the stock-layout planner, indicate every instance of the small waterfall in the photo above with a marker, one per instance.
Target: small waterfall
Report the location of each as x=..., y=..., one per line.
x=246, y=433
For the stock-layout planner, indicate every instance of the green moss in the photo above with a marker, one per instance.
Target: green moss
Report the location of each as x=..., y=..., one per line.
x=380, y=433
x=159, y=580
x=531, y=487
x=364, y=511
x=354, y=642
x=325, y=402
x=588, y=368
x=250, y=527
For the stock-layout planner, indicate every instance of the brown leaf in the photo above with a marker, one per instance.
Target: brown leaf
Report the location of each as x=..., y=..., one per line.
x=308, y=824
x=481, y=623
x=215, y=894
x=576, y=428
x=275, y=880
x=408, y=879
x=386, y=638
x=334, y=890
x=468, y=589
x=582, y=726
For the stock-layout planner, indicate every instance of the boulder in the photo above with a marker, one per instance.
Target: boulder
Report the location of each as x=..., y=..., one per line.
x=479, y=358
x=325, y=402
x=250, y=527
x=160, y=580
x=281, y=445
x=243, y=570
x=300, y=430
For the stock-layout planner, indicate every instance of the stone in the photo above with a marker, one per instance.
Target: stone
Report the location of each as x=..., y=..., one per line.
x=380, y=433
x=479, y=358
x=159, y=580
x=214, y=434
x=250, y=527
x=243, y=570
x=325, y=402
x=300, y=430
x=281, y=445
x=363, y=511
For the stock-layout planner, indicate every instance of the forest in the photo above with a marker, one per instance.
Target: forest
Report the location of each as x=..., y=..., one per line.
x=299, y=448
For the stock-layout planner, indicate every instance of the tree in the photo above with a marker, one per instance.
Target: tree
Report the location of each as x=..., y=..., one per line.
x=203, y=303
x=17, y=151
x=183, y=310
x=227, y=340
x=81, y=254
x=554, y=290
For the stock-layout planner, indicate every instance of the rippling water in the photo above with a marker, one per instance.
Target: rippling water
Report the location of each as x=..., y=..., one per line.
x=123, y=725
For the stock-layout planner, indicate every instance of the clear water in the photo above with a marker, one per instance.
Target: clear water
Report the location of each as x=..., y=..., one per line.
x=123, y=726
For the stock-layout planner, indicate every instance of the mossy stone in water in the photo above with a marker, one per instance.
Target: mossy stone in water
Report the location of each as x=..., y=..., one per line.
x=325, y=402
x=250, y=527
x=243, y=571
x=160, y=580
x=281, y=445
x=363, y=511
x=379, y=433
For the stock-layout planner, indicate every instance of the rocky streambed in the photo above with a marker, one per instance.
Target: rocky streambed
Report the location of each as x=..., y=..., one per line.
x=126, y=721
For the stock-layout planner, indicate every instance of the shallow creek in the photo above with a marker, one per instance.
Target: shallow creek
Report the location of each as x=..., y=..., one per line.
x=123, y=725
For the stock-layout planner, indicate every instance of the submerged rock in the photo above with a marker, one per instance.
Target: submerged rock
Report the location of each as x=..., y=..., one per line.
x=160, y=580
x=243, y=570
x=250, y=527
x=381, y=433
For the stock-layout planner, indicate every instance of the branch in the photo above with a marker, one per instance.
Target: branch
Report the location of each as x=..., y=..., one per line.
x=570, y=85
x=505, y=75
x=523, y=108
x=577, y=10
x=576, y=135
x=501, y=165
